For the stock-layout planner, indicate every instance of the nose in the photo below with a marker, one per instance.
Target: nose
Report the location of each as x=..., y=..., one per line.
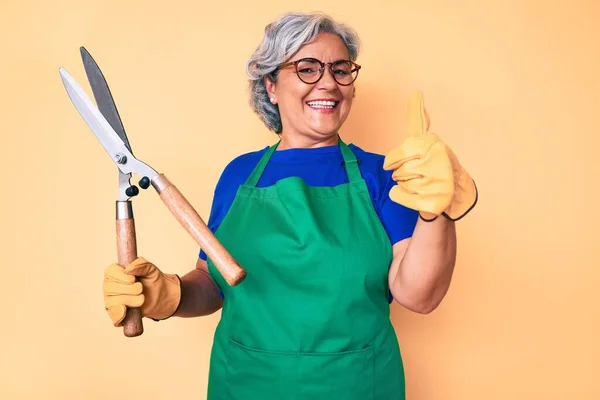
x=327, y=82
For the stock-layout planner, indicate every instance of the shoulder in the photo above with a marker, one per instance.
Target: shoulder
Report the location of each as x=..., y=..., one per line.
x=244, y=161
x=378, y=180
x=398, y=220
x=368, y=157
x=235, y=174
x=237, y=171
x=371, y=166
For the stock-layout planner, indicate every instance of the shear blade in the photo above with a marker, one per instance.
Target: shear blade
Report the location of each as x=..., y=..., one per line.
x=106, y=135
x=103, y=96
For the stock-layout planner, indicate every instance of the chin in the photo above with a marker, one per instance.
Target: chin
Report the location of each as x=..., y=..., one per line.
x=325, y=128
x=325, y=132
x=326, y=122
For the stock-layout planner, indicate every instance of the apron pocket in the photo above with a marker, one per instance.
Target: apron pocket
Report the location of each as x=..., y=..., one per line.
x=277, y=375
x=345, y=375
x=260, y=374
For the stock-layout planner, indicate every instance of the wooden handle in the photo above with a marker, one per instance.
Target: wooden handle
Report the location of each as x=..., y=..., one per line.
x=187, y=216
x=126, y=253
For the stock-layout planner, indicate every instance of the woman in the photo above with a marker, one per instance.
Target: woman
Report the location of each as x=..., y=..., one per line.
x=328, y=233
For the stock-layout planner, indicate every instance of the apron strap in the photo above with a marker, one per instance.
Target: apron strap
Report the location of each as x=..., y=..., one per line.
x=260, y=167
x=350, y=163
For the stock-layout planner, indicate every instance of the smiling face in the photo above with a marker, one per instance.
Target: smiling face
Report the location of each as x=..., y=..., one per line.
x=312, y=114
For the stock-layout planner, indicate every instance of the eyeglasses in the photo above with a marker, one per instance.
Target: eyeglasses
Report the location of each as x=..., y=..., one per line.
x=310, y=70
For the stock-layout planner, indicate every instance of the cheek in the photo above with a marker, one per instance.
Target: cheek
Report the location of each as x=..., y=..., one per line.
x=348, y=99
x=348, y=93
x=295, y=100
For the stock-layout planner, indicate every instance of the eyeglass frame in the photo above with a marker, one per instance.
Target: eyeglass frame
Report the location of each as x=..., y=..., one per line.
x=357, y=68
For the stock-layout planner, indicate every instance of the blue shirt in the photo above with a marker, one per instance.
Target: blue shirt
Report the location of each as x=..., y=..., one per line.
x=321, y=166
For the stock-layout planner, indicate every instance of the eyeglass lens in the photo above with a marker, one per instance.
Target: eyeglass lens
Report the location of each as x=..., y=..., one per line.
x=309, y=71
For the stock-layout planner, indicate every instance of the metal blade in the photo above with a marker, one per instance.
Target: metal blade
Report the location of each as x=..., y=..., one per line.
x=110, y=140
x=103, y=96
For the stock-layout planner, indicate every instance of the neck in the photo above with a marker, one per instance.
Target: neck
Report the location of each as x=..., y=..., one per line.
x=289, y=141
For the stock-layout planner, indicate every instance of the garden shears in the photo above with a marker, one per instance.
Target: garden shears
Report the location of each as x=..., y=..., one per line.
x=105, y=122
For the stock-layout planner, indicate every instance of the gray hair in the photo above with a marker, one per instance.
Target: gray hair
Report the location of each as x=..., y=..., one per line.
x=283, y=38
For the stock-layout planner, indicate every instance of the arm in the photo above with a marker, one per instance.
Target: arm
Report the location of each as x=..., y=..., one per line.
x=200, y=295
x=430, y=180
x=422, y=266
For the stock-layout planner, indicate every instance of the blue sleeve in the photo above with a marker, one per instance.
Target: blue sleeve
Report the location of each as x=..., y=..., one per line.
x=399, y=221
x=217, y=212
x=218, y=208
x=222, y=199
x=213, y=221
x=223, y=196
x=233, y=175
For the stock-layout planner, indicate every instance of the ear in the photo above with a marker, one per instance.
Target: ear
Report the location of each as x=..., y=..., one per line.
x=271, y=86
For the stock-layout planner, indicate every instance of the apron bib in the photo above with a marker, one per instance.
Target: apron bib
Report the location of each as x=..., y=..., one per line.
x=311, y=319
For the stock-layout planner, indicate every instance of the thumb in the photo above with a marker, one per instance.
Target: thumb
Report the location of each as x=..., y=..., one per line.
x=418, y=120
x=140, y=267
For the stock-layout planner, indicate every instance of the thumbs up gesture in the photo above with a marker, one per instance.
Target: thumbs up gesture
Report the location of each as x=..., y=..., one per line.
x=428, y=175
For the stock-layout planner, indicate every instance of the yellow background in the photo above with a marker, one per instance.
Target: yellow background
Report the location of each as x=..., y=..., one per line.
x=512, y=86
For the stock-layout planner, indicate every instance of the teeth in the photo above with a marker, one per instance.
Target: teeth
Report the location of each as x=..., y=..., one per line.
x=322, y=104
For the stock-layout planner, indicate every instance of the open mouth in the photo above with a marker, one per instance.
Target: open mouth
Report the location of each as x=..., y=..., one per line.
x=322, y=104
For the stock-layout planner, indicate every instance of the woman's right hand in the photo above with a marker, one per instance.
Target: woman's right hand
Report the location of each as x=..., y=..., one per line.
x=158, y=294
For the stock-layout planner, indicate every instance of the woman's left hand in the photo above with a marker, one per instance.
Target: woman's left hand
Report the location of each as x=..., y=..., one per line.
x=429, y=176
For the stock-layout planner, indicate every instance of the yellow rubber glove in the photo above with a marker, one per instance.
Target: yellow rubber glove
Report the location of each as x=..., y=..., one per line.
x=158, y=294
x=429, y=176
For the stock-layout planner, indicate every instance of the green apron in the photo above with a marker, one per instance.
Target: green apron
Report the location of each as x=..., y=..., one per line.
x=311, y=319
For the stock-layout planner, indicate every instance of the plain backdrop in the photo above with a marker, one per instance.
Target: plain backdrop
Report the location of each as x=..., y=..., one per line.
x=512, y=86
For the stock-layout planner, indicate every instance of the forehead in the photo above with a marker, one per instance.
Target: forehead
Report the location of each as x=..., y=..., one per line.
x=326, y=47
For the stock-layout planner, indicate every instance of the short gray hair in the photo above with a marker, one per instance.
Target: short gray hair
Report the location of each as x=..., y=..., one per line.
x=282, y=38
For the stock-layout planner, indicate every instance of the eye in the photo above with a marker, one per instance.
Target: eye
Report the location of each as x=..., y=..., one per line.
x=308, y=66
x=342, y=68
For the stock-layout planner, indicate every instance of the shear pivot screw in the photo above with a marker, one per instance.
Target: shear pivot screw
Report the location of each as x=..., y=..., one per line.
x=121, y=158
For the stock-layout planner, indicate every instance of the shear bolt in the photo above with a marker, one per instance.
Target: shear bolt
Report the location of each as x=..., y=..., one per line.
x=121, y=158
